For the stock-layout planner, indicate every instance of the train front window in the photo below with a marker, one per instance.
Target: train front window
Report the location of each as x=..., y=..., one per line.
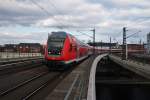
x=56, y=39
x=56, y=42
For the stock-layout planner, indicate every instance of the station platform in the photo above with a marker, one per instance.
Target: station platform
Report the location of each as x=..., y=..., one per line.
x=75, y=85
x=135, y=66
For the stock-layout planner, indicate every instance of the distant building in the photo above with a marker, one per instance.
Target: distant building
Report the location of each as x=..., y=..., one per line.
x=148, y=43
x=135, y=46
x=1, y=48
x=22, y=48
x=10, y=48
x=138, y=48
x=29, y=47
x=104, y=45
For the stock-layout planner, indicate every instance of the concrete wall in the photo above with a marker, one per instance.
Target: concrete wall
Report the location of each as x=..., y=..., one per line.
x=17, y=55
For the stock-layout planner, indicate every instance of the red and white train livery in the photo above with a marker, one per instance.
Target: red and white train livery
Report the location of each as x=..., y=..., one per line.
x=63, y=48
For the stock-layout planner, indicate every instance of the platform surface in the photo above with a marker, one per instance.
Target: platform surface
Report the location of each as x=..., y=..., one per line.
x=75, y=85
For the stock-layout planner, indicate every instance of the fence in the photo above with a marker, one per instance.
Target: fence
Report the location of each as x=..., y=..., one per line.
x=5, y=55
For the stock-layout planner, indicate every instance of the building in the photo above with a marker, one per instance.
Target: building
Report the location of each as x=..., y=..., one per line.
x=148, y=43
x=29, y=47
x=22, y=48
x=135, y=48
x=10, y=48
x=1, y=48
x=104, y=45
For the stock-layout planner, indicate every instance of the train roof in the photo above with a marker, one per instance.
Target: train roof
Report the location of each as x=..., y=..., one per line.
x=63, y=34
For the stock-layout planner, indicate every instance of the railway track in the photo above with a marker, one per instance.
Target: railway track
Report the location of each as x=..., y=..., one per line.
x=9, y=82
x=45, y=84
x=23, y=90
x=32, y=88
x=19, y=66
x=9, y=61
x=21, y=84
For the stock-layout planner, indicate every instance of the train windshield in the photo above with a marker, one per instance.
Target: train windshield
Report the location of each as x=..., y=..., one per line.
x=56, y=40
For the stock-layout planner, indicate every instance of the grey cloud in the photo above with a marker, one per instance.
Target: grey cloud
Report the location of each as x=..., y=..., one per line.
x=19, y=14
x=108, y=16
x=21, y=37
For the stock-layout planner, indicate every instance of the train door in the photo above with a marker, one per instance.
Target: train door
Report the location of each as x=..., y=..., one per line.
x=78, y=51
x=73, y=46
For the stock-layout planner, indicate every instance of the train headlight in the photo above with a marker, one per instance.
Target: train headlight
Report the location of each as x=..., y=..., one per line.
x=49, y=52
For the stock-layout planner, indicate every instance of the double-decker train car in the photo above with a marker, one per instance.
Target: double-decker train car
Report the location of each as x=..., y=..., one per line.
x=63, y=49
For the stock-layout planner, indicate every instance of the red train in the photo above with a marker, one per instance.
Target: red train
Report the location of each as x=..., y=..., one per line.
x=63, y=49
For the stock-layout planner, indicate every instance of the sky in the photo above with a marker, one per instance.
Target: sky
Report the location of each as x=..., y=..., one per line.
x=32, y=20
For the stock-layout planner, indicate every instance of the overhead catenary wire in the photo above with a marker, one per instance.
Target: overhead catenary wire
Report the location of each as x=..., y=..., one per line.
x=62, y=24
x=46, y=12
x=143, y=20
x=60, y=13
x=42, y=8
x=53, y=5
x=84, y=34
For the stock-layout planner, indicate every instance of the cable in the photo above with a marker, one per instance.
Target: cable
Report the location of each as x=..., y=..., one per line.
x=43, y=9
x=143, y=19
x=54, y=7
x=62, y=25
x=119, y=32
x=133, y=34
x=58, y=11
x=85, y=34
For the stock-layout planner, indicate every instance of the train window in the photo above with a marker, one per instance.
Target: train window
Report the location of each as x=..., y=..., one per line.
x=55, y=44
x=56, y=39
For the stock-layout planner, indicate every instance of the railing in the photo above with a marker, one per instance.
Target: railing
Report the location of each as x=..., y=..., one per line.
x=8, y=55
x=91, y=95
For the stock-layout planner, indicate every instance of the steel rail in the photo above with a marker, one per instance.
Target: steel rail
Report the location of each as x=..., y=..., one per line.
x=21, y=84
x=7, y=66
x=41, y=87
